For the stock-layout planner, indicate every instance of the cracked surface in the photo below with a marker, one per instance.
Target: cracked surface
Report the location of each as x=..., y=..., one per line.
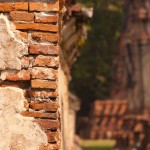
x=17, y=132
x=12, y=48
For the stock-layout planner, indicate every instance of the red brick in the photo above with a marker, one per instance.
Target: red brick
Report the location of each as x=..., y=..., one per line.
x=43, y=84
x=52, y=136
x=21, y=16
x=25, y=62
x=45, y=37
x=21, y=5
x=43, y=94
x=43, y=49
x=50, y=147
x=38, y=6
x=44, y=73
x=39, y=115
x=47, y=106
x=48, y=124
x=7, y=7
x=24, y=36
x=18, y=76
x=36, y=26
x=44, y=18
x=48, y=61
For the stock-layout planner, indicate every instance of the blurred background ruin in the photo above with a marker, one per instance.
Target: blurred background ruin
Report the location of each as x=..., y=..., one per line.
x=107, y=47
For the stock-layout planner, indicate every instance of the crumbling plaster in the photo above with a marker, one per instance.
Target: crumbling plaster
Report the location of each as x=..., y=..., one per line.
x=17, y=132
x=12, y=48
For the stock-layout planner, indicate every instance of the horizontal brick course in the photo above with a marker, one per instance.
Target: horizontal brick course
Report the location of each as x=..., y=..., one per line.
x=39, y=6
x=7, y=7
x=44, y=73
x=43, y=84
x=43, y=49
x=42, y=18
x=43, y=94
x=36, y=26
x=47, y=61
x=39, y=115
x=45, y=37
x=47, y=106
x=21, y=16
x=48, y=124
x=50, y=147
x=22, y=75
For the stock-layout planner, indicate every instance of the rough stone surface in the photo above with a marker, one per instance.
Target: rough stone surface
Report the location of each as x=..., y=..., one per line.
x=17, y=132
x=11, y=47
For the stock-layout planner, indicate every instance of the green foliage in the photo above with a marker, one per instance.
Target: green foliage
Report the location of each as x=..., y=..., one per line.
x=92, y=73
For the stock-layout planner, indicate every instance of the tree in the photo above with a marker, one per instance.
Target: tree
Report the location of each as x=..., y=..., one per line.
x=92, y=74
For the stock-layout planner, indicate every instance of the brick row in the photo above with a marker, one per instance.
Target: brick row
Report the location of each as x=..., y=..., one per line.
x=36, y=17
x=31, y=6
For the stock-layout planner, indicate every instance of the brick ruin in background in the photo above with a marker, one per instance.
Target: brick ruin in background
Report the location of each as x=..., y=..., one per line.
x=132, y=69
x=29, y=52
x=131, y=83
x=110, y=119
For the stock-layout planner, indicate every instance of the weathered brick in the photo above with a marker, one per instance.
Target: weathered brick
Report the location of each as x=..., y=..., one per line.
x=24, y=36
x=7, y=7
x=47, y=106
x=21, y=5
x=21, y=16
x=48, y=124
x=36, y=26
x=39, y=6
x=43, y=94
x=37, y=114
x=43, y=73
x=45, y=18
x=50, y=147
x=43, y=49
x=48, y=61
x=16, y=76
x=52, y=136
x=25, y=62
x=45, y=37
x=43, y=84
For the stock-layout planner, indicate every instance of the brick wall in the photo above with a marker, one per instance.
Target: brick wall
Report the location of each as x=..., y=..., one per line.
x=29, y=62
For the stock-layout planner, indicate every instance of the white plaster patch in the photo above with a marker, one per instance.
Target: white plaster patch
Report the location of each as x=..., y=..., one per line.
x=12, y=48
x=17, y=132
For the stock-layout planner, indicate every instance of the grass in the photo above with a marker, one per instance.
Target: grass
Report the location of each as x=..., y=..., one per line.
x=97, y=144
